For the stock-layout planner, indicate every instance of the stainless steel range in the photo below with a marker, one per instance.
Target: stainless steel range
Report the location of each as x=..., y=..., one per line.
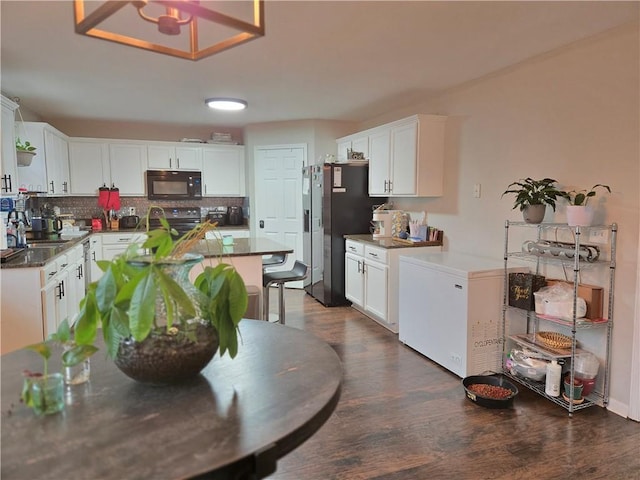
x=182, y=219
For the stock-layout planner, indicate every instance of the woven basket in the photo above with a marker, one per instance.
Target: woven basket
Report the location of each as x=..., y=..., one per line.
x=554, y=339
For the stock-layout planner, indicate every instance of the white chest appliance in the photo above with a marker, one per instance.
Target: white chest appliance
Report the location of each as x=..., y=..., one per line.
x=450, y=310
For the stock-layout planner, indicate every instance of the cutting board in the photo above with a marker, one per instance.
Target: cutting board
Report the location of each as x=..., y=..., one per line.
x=6, y=255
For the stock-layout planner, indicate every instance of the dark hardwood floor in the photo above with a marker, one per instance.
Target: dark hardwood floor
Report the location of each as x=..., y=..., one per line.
x=403, y=417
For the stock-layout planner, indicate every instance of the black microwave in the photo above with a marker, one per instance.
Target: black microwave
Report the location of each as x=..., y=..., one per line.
x=173, y=185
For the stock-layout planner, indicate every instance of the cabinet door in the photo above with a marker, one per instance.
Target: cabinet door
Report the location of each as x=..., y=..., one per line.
x=88, y=167
x=375, y=294
x=223, y=171
x=354, y=279
x=57, y=162
x=189, y=158
x=361, y=144
x=404, y=159
x=127, y=163
x=379, y=163
x=161, y=157
x=343, y=147
x=54, y=302
x=95, y=254
x=9, y=172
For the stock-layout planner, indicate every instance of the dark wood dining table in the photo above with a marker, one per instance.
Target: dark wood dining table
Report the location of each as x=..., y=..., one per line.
x=234, y=420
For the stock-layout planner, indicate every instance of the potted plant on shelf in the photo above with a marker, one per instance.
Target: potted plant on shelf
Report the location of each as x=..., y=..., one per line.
x=24, y=152
x=579, y=213
x=533, y=196
x=158, y=326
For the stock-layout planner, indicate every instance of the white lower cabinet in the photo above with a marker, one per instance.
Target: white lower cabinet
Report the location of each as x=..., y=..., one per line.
x=63, y=286
x=95, y=254
x=371, y=280
x=115, y=243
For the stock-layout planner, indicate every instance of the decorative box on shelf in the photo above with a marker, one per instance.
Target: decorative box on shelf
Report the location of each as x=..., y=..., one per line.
x=522, y=287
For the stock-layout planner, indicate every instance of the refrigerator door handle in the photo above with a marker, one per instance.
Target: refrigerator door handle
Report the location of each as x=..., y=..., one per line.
x=306, y=221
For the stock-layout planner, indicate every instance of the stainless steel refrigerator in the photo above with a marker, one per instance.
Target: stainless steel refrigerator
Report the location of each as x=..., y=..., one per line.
x=336, y=202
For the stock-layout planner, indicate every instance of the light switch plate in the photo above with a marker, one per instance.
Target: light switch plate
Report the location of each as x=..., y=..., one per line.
x=132, y=210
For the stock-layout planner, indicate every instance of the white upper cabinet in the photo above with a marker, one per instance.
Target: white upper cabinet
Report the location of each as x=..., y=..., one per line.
x=223, y=172
x=127, y=164
x=356, y=143
x=49, y=169
x=165, y=156
x=9, y=174
x=379, y=162
x=406, y=157
x=89, y=166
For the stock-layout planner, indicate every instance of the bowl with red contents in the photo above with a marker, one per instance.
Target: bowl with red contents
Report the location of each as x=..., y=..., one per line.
x=491, y=391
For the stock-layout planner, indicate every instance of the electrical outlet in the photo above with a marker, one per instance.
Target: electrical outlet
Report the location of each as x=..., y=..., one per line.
x=598, y=235
x=132, y=210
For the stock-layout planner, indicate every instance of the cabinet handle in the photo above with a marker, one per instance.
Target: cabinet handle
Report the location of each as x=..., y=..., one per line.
x=6, y=179
x=385, y=186
x=458, y=286
x=60, y=288
x=93, y=255
x=52, y=189
x=51, y=274
x=358, y=266
x=79, y=276
x=170, y=162
x=64, y=265
x=65, y=187
x=390, y=186
x=374, y=255
x=177, y=162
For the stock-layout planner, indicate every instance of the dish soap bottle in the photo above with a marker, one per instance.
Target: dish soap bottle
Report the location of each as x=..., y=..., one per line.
x=552, y=384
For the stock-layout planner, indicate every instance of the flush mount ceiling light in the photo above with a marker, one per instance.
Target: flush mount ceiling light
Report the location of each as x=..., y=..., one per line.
x=176, y=15
x=221, y=103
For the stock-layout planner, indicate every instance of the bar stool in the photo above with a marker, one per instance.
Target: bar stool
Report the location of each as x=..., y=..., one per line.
x=274, y=260
x=280, y=277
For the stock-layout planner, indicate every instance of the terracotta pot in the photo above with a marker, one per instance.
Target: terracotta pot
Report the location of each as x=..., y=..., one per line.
x=534, y=213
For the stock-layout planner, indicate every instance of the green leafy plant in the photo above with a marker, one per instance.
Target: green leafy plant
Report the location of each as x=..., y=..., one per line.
x=534, y=192
x=24, y=147
x=73, y=355
x=124, y=303
x=581, y=197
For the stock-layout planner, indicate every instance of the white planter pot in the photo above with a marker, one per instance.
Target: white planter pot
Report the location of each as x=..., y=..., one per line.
x=24, y=158
x=579, y=215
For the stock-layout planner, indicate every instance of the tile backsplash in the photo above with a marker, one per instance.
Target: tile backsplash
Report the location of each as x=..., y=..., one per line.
x=87, y=207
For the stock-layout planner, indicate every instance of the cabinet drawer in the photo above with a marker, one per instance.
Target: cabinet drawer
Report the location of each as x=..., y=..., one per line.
x=354, y=247
x=122, y=238
x=374, y=253
x=51, y=268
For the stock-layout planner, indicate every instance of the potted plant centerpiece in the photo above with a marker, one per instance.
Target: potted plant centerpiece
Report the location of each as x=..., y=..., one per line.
x=579, y=213
x=158, y=326
x=533, y=196
x=24, y=153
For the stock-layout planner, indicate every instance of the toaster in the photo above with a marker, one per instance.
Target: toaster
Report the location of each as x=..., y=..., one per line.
x=129, y=221
x=220, y=217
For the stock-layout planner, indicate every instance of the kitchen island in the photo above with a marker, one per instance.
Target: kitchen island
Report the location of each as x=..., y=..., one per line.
x=55, y=278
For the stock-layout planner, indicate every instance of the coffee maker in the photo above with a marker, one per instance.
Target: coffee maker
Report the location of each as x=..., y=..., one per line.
x=382, y=223
x=234, y=215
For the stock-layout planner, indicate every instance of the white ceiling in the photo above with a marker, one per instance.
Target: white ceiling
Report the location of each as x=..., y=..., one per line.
x=340, y=60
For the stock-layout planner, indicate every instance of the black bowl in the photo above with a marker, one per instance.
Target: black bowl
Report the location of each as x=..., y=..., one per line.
x=495, y=380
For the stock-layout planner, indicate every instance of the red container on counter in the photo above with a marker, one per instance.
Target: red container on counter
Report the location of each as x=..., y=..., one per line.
x=96, y=224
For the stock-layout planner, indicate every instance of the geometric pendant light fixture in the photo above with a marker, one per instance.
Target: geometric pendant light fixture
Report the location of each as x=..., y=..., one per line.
x=207, y=31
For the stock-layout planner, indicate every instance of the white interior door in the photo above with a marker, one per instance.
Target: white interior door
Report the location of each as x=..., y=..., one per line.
x=277, y=205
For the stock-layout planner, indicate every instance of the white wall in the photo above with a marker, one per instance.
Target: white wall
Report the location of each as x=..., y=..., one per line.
x=572, y=115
